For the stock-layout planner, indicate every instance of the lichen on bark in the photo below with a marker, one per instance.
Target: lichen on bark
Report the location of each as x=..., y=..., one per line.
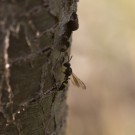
x=35, y=38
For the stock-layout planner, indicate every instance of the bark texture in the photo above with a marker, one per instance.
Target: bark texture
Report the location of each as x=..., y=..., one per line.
x=35, y=38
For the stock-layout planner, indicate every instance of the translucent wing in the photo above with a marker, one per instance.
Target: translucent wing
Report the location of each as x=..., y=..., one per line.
x=77, y=82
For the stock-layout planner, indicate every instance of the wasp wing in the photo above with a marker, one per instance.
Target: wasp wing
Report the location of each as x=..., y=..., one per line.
x=77, y=82
x=74, y=80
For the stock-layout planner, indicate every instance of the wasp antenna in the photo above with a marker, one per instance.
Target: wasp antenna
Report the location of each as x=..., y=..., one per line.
x=70, y=58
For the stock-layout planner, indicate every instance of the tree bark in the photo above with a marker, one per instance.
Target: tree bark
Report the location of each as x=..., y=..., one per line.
x=35, y=38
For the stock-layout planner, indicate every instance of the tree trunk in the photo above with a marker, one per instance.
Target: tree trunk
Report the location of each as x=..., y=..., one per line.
x=35, y=38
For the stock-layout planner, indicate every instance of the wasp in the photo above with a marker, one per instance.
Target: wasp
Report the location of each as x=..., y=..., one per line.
x=69, y=73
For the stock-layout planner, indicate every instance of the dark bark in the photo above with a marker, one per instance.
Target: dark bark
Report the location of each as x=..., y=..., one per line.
x=35, y=38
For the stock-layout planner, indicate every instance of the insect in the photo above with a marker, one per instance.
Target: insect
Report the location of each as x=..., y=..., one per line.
x=74, y=79
x=69, y=27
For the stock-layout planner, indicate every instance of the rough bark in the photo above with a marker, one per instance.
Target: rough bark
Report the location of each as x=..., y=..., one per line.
x=35, y=38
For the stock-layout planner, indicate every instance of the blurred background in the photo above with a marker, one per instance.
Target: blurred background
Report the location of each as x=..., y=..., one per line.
x=103, y=51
